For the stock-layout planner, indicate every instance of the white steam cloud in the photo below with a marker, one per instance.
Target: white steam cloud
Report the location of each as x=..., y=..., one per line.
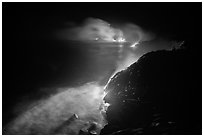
x=66, y=112
x=97, y=30
x=92, y=30
x=133, y=33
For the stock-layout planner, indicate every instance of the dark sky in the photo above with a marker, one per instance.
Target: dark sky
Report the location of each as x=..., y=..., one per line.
x=33, y=58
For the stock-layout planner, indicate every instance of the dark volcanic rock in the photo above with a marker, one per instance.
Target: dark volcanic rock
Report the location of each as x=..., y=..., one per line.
x=159, y=94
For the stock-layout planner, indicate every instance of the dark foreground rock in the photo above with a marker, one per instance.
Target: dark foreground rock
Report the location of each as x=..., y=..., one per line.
x=159, y=94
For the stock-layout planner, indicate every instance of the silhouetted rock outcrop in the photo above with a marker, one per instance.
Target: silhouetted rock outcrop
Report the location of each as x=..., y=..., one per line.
x=159, y=94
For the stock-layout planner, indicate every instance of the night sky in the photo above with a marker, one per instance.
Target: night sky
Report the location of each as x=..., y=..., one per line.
x=34, y=58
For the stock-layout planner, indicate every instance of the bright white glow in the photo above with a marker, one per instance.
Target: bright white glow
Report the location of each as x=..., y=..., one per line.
x=134, y=44
x=121, y=40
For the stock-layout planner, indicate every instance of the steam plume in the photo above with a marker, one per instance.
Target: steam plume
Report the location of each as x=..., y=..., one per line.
x=97, y=30
x=66, y=112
